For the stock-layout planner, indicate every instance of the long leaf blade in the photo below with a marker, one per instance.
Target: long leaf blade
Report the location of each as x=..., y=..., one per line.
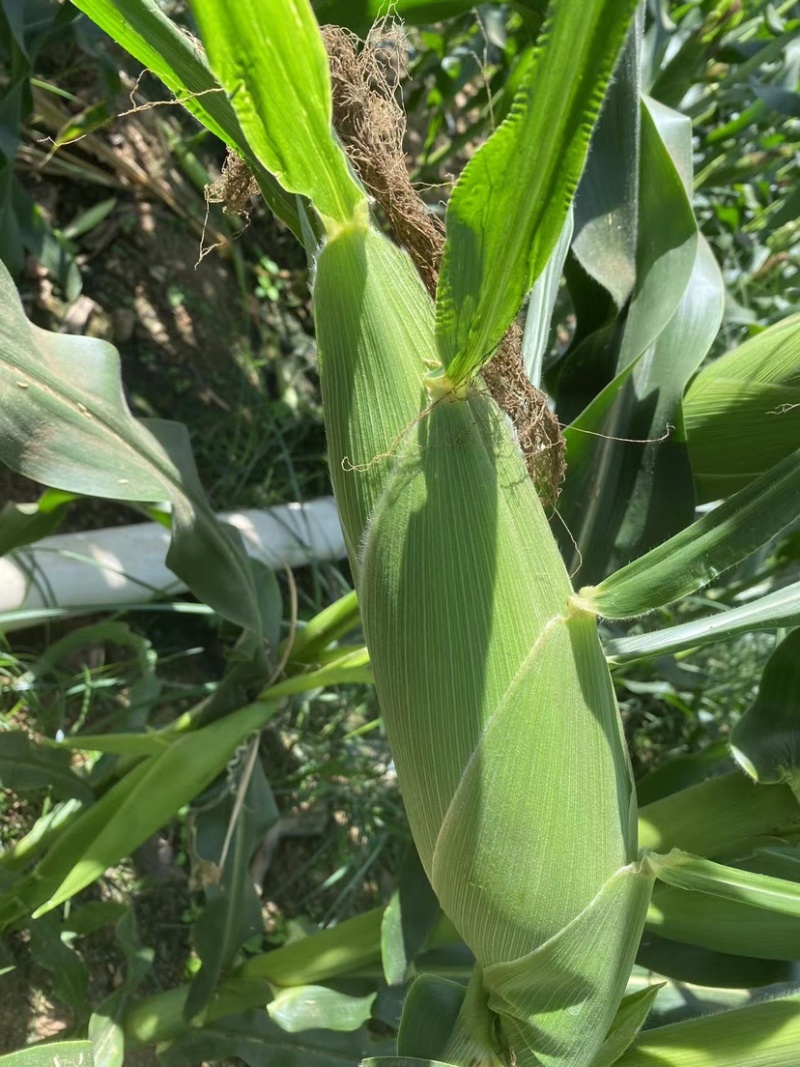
x=272, y=62
x=742, y=412
x=507, y=209
x=64, y=421
x=704, y=550
x=143, y=29
x=778, y=609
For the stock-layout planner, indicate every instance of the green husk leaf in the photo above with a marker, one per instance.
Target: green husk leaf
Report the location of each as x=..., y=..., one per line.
x=375, y=348
x=558, y=1003
x=274, y=67
x=630, y=1018
x=507, y=210
x=526, y=660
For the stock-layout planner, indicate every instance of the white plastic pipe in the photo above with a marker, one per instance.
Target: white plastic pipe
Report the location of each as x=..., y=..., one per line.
x=125, y=564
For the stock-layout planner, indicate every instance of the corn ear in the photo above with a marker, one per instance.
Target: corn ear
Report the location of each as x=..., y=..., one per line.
x=374, y=325
x=495, y=694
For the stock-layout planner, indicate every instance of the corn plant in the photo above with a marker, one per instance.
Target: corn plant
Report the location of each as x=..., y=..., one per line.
x=493, y=681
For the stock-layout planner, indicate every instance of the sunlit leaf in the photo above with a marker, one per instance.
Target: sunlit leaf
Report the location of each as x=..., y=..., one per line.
x=64, y=422
x=274, y=68
x=507, y=210
x=742, y=412
x=778, y=609
x=700, y=553
x=142, y=28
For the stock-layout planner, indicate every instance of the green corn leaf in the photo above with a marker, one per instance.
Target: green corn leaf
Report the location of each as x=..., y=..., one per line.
x=628, y=1021
x=761, y=1035
x=254, y=1038
x=83, y=439
x=69, y=975
x=327, y=626
x=507, y=210
x=132, y=809
x=606, y=204
x=143, y=29
x=38, y=838
x=541, y=302
x=332, y=952
x=26, y=766
x=318, y=1008
x=663, y=269
x=350, y=666
x=704, y=550
x=723, y=926
x=408, y=919
x=430, y=1012
x=624, y=440
x=232, y=912
x=63, y=1053
x=105, y=1025
x=778, y=609
x=684, y=871
x=274, y=67
x=361, y=15
x=162, y=786
x=665, y=251
x=403, y=1061
x=766, y=740
x=684, y=770
x=691, y=964
x=779, y=861
x=150, y=743
x=737, y=816
x=21, y=524
x=742, y=412
x=353, y=945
